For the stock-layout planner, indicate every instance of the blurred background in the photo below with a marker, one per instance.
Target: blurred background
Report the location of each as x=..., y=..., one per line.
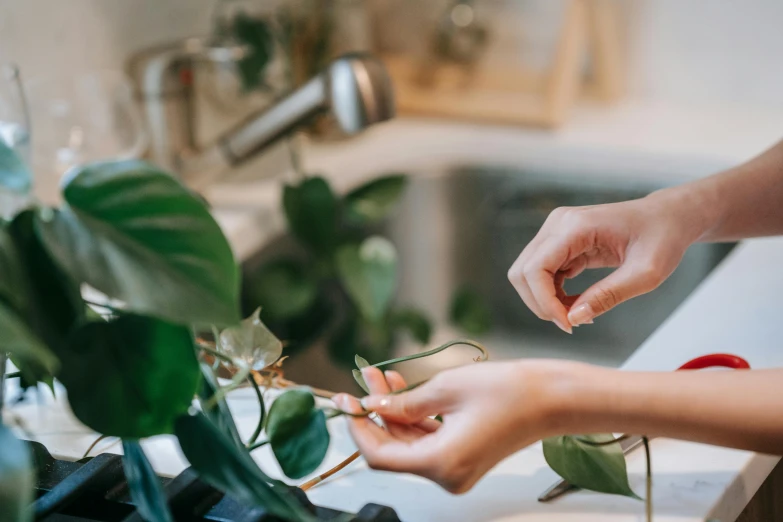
x=505, y=110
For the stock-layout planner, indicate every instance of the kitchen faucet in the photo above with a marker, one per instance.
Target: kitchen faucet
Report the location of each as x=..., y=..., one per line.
x=354, y=88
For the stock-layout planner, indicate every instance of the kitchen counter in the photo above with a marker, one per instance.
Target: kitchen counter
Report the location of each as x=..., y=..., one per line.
x=734, y=310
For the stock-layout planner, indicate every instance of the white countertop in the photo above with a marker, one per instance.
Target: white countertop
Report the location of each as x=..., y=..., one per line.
x=735, y=310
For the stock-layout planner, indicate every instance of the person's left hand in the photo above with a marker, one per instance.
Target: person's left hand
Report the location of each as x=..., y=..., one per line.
x=489, y=411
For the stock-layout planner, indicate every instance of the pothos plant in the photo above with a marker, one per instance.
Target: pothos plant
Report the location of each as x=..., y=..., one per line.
x=141, y=361
x=342, y=283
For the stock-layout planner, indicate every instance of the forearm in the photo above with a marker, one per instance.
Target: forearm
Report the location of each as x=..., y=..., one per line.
x=739, y=409
x=742, y=202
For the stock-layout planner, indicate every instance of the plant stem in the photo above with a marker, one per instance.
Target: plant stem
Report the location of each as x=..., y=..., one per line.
x=648, y=502
x=257, y=445
x=262, y=414
x=241, y=375
x=92, y=446
x=483, y=357
x=3, y=376
x=323, y=476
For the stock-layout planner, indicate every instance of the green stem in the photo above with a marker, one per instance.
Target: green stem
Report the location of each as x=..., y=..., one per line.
x=242, y=374
x=262, y=415
x=257, y=445
x=604, y=443
x=483, y=357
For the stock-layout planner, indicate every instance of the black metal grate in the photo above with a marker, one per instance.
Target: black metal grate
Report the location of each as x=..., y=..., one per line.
x=95, y=489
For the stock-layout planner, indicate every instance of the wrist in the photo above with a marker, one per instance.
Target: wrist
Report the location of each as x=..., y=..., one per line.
x=694, y=208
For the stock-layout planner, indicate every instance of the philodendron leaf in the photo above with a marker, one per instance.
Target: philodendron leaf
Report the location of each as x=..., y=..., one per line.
x=229, y=468
x=361, y=362
x=143, y=484
x=14, y=174
x=369, y=273
x=297, y=432
x=597, y=468
x=139, y=236
x=131, y=377
x=372, y=201
x=415, y=321
x=16, y=478
x=283, y=288
x=30, y=354
x=252, y=342
x=470, y=312
x=219, y=414
x=311, y=210
x=12, y=287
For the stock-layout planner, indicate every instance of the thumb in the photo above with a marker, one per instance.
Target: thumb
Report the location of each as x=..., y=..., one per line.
x=409, y=407
x=628, y=281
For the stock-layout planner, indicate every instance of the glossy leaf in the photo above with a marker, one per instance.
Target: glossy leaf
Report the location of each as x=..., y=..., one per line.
x=16, y=478
x=369, y=273
x=297, y=432
x=12, y=288
x=470, y=312
x=136, y=234
x=252, y=342
x=54, y=304
x=220, y=414
x=311, y=209
x=283, y=288
x=229, y=468
x=414, y=321
x=597, y=468
x=29, y=353
x=131, y=377
x=143, y=484
x=372, y=201
x=14, y=174
x=361, y=362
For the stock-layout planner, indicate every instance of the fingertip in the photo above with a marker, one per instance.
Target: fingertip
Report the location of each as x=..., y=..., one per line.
x=395, y=380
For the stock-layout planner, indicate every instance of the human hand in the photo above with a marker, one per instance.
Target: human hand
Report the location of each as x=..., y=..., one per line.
x=489, y=411
x=645, y=238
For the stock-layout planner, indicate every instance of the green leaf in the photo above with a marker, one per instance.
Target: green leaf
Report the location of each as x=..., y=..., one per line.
x=255, y=34
x=415, y=321
x=29, y=353
x=220, y=414
x=16, y=478
x=597, y=468
x=54, y=305
x=131, y=377
x=230, y=469
x=283, y=288
x=369, y=273
x=297, y=432
x=12, y=287
x=143, y=484
x=136, y=234
x=252, y=342
x=14, y=174
x=372, y=201
x=470, y=312
x=311, y=209
x=361, y=362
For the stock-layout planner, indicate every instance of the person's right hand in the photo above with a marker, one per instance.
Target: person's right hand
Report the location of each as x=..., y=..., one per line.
x=645, y=238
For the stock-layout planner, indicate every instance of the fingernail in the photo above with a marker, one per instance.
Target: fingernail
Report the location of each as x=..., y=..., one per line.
x=567, y=329
x=582, y=314
x=374, y=402
x=339, y=401
x=364, y=403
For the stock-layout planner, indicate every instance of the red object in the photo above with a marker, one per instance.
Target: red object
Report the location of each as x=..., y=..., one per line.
x=722, y=360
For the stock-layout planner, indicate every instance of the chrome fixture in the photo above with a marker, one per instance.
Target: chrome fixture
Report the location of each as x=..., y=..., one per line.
x=355, y=88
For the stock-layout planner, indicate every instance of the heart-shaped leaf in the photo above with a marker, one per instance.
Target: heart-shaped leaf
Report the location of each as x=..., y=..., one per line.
x=14, y=174
x=372, y=201
x=470, y=312
x=311, y=209
x=16, y=478
x=283, y=288
x=219, y=414
x=131, y=377
x=139, y=236
x=143, y=484
x=415, y=321
x=32, y=357
x=231, y=469
x=361, y=362
x=297, y=432
x=252, y=342
x=369, y=273
x=597, y=468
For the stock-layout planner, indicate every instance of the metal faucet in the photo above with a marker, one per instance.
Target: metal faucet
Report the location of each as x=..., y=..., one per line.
x=355, y=88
